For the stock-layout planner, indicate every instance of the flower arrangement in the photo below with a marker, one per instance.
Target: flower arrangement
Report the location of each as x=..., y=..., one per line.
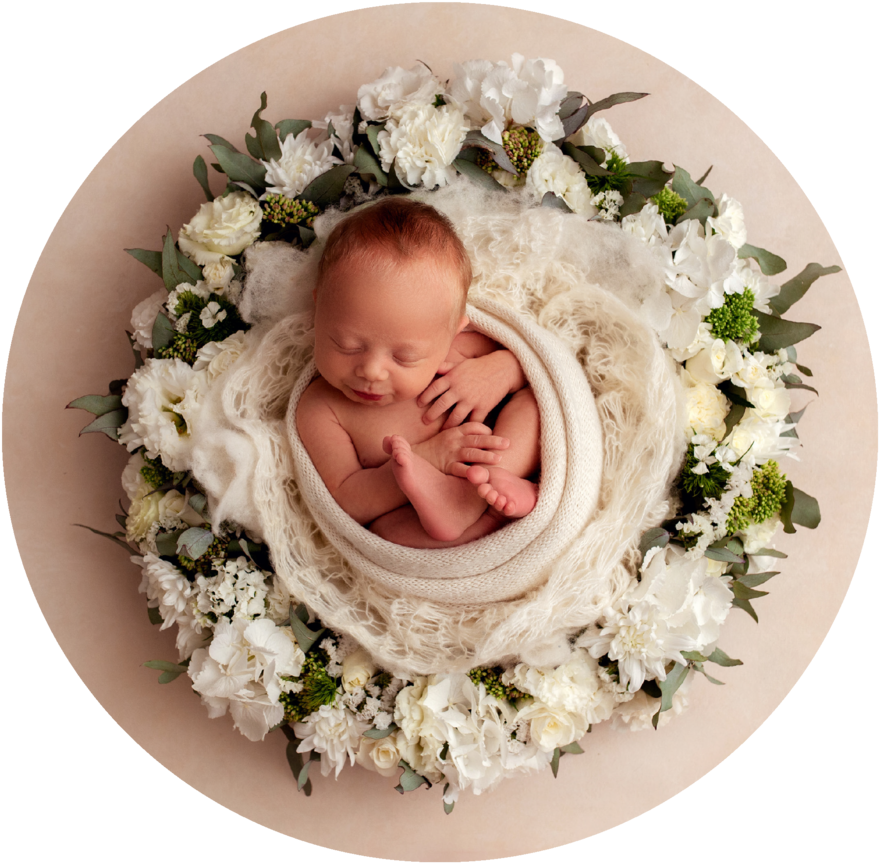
x=251, y=649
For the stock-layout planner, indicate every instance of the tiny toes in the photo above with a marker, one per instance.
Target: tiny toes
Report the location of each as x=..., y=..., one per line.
x=477, y=474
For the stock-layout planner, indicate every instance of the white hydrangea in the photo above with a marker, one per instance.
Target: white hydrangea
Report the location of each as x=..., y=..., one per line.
x=144, y=316
x=334, y=732
x=552, y=171
x=396, y=91
x=302, y=160
x=422, y=144
x=598, y=133
x=237, y=586
x=729, y=221
x=525, y=92
x=163, y=399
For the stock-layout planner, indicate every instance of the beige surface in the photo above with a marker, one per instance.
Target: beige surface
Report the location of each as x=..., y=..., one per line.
x=147, y=166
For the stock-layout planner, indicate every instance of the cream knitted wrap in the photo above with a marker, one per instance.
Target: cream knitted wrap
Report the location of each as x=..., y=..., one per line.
x=611, y=441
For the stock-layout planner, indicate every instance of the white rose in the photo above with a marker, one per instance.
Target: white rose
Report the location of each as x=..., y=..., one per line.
x=144, y=316
x=218, y=357
x=222, y=227
x=381, y=756
x=770, y=402
x=730, y=221
x=552, y=727
x=357, y=669
x=554, y=172
x=706, y=405
x=172, y=504
x=717, y=363
x=754, y=371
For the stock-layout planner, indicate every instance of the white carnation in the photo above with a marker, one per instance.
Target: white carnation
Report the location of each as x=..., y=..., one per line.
x=396, y=91
x=554, y=172
x=759, y=440
x=422, y=144
x=144, y=316
x=302, y=160
x=223, y=227
x=729, y=221
x=334, y=732
x=706, y=406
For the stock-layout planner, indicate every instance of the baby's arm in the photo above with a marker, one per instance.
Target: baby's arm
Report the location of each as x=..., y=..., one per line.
x=364, y=493
x=475, y=377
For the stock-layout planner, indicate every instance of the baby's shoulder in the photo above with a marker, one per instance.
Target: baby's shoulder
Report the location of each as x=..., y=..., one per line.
x=319, y=400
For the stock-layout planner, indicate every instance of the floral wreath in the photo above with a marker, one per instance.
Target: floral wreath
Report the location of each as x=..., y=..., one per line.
x=250, y=648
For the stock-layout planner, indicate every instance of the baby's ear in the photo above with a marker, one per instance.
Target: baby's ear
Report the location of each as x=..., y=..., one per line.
x=465, y=322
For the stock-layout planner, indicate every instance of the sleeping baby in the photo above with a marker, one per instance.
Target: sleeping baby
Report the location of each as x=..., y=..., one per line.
x=399, y=373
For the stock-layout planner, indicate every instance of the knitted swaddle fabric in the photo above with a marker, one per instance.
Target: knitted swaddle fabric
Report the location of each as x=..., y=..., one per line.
x=611, y=442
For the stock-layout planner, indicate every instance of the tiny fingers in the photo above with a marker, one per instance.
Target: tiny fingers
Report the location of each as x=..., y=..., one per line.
x=487, y=441
x=484, y=456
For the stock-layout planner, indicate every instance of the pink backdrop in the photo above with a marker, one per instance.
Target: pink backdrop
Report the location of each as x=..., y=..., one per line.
x=87, y=589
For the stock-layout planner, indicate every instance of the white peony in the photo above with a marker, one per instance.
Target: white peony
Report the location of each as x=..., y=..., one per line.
x=527, y=93
x=706, y=406
x=422, y=144
x=223, y=227
x=163, y=398
x=396, y=91
x=552, y=171
x=598, y=133
x=302, y=160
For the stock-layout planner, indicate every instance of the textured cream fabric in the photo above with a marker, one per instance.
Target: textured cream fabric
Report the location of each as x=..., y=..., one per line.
x=612, y=442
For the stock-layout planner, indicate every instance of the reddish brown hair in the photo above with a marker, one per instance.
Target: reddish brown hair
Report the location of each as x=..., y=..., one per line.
x=399, y=228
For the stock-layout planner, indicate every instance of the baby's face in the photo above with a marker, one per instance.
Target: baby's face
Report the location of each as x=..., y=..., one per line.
x=382, y=330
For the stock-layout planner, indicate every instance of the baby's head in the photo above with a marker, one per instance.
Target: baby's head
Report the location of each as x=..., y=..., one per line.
x=390, y=298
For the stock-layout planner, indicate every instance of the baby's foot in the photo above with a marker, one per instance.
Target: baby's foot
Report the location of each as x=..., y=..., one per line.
x=446, y=505
x=507, y=493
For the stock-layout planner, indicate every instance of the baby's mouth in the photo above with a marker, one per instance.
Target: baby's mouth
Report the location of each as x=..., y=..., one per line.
x=370, y=397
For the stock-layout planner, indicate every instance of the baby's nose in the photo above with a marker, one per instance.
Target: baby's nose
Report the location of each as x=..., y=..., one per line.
x=372, y=369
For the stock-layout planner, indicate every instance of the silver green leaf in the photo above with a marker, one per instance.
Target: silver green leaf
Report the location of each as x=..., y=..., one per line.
x=770, y=265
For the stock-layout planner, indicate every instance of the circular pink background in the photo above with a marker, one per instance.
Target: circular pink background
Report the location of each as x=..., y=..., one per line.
x=78, y=303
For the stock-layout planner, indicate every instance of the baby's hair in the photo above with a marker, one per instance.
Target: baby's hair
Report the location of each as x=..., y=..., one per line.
x=399, y=228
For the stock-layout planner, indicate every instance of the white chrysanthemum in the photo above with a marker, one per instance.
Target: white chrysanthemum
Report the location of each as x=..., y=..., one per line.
x=422, y=144
x=302, y=160
x=396, y=91
x=716, y=363
x=168, y=590
x=759, y=440
x=144, y=316
x=223, y=227
x=598, y=133
x=729, y=221
x=218, y=357
x=163, y=398
x=527, y=93
x=334, y=732
x=552, y=171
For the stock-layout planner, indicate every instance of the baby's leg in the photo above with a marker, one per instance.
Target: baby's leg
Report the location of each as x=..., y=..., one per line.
x=402, y=526
x=446, y=505
x=504, y=487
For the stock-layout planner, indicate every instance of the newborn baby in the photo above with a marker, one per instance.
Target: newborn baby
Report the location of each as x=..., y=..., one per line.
x=383, y=431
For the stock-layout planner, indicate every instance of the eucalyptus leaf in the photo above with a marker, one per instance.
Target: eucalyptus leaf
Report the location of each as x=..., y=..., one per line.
x=222, y=142
x=795, y=289
x=701, y=669
x=121, y=520
x=745, y=605
x=473, y=172
x=380, y=733
x=236, y=166
x=113, y=537
x=164, y=665
x=194, y=542
x=107, y=423
x=615, y=99
x=805, y=510
x=669, y=687
x=292, y=127
x=718, y=657
x=756, y=578
x=792, y=382
x=736, y=412
x=804, y=370
x=447, y=807
x=778, y=333
x=155, y=616
x=554, y=764
x=152, y=259
x=163, y=332
x=723, y=554
x=198, y=502
x=770, y=265
x=176, y=267
x=265, y=144
x=701, y=210
x=305, y=637
x=302, y=781
x=166, y=543
x=586, y=160
x=410, y=780
x=650, y=177
x=656, y=537
x=326, y=189
x=475, y=138
x=551, y=199
x=372, y=136
x=368, y=165
x=742, y=591
x=200, y=172
x=97, y=405
x=693, y=656
x=306, y=235
x=691, y=191
x=769, y=552
x=575, y=120
x=570, y=103
x=572, y=748
x=632, y=204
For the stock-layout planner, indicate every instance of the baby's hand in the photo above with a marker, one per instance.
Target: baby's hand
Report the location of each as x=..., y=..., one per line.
x=451, y=451
x=474, y=386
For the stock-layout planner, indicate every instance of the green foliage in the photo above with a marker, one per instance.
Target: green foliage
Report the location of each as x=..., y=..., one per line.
x=768, y=487
x=792, y=291
x=317, y=688
x=523, y=146
x=671, y=205
x=733, y=321
x=288, y=211
x=204, y=562
x=770, y=265
x=490, y=678
x=155, y=473
x=617, y=179
x=778, y=333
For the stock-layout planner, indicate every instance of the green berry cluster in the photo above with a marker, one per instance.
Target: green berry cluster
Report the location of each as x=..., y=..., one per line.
x=767, y=495
x=671, y=205
x=155, y=473
x=288, y=211
x=204, y=564
x=485, y=160
x=182, y=347
x=490, y=678
x=317, y=688
x=733, y=321
x=523, y=146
